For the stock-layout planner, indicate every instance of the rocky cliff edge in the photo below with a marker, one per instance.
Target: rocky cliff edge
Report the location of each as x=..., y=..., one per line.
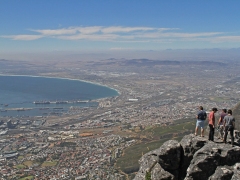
x=193, y=158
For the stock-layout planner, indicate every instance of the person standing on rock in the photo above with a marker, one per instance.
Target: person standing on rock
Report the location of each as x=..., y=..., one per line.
x=201, y=117
x=211, y=124
x=220, y=123
x=229, y=125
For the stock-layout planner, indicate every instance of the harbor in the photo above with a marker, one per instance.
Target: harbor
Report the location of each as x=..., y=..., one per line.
x=60, y=102
x=44, y=108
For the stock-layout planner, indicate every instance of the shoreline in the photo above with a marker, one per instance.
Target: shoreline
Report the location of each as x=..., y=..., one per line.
x=94, y=83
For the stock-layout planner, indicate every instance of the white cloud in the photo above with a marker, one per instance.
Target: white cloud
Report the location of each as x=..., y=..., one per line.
x=89, y=30
x=23, y=37
x=91, y=37
x=159, y=35
x=55, y=32
x=69, y=31
x=125, y=34
x=119, y=29
x=226, y=39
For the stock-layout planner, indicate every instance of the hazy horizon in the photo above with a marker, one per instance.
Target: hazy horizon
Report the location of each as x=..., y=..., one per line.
x=170, y=54
x=45, y=30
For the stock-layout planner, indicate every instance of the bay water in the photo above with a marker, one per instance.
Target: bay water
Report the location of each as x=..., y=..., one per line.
x=18, y=94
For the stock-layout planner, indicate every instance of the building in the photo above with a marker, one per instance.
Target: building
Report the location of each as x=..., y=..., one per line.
x=9, y=124
x=132, y=100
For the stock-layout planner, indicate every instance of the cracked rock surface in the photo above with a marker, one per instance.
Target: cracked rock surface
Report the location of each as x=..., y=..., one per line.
x=193, y=158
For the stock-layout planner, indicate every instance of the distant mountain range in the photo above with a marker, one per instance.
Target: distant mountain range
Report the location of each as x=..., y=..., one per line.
x=148, y=62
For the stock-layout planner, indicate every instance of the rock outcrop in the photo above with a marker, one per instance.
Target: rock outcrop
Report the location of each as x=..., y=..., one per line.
x=193, y=158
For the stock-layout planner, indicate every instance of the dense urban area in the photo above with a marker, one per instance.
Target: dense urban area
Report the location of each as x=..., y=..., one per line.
x=85, y=143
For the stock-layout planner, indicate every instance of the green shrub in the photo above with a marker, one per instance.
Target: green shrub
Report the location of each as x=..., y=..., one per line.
x=148, y=176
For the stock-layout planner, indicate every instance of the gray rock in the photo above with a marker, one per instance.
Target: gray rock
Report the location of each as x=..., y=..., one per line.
x=229, y=155
x=227, y=172
x=237, y=137
x=158, y=173
x=206, y=160
x=140, y=176
x=170, y=155
x=190, y=144
x=222, y=173
x=236, y=170
x=146, y=162
x=202, y=159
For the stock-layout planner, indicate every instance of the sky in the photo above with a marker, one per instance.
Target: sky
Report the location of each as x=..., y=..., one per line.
x=116, y=26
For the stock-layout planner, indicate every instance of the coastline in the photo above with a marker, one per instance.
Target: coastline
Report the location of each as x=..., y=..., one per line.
x=94, y=83
x=14, y=109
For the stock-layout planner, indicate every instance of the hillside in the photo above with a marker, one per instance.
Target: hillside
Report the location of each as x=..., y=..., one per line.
x=150, y=139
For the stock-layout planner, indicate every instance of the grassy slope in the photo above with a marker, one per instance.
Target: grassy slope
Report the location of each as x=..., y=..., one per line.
x=153, y=139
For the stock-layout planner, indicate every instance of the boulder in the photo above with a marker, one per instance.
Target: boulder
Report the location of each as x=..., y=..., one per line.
x=194, y=158
x=146, y=162
x=190, y=144
x=169, y=155
x=222, y=173
x=158, y=173
x=236, y=170
x=237, y=137
x=206, y=160
x=226, y=173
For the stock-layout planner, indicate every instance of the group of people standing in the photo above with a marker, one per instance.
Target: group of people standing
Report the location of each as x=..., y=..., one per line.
x=226, y=123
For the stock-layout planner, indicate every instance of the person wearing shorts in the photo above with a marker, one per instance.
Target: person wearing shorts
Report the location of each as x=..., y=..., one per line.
x=201, y=117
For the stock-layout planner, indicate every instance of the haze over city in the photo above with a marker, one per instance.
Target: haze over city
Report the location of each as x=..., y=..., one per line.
x=89, y=87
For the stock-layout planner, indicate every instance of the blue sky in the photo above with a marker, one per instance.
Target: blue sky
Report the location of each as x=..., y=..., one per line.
x=117, y=25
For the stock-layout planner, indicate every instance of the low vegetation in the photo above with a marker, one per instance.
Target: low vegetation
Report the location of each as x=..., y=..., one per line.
x=20, y=157
x=49, y=163
x=28, y=163
x=27, y=178
x=67, y=144
x=151, y=139
x=20, y=166
x=148, y=176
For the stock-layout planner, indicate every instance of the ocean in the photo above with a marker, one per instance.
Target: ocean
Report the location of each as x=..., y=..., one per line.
x=37, y=96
